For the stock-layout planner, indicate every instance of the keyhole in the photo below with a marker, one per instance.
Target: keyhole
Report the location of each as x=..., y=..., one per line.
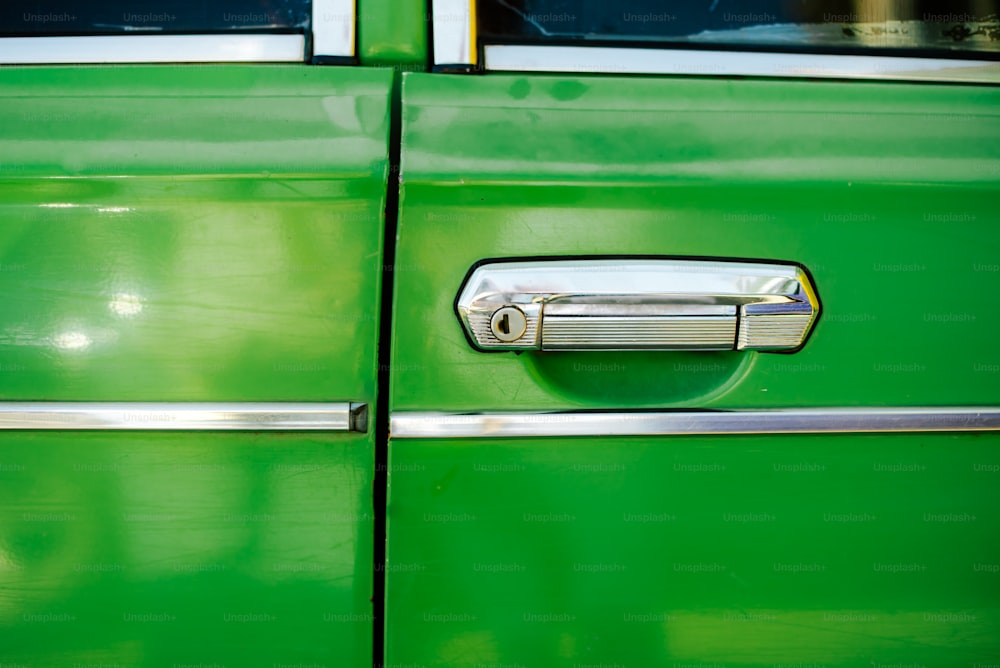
x=508, y=323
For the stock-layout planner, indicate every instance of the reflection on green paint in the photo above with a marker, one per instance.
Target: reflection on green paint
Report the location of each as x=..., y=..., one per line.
x=191, y=233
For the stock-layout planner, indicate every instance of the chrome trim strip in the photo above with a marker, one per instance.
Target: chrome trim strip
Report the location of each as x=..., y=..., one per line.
x=454, y=24
x=153, y=416
x=791, y=421
x=218, y=48
x=333, y=28
x=630, y=60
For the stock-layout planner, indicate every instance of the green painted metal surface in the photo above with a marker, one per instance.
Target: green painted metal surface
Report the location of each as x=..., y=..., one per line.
x=393, y=33
x=887, y=193
x=803, y=550
x=185, y=549
x=796, y=550
x=191, y=234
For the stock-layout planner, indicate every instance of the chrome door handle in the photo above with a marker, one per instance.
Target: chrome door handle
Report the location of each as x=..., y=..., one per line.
x=637, y=305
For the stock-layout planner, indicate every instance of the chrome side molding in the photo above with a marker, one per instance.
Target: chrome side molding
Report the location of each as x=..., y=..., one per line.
x=680, y=423
x=637, y=305
x=153, y=416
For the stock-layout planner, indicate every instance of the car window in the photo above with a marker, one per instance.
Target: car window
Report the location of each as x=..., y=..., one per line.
x=832, y=25
x=165, y=31
x=110, y=17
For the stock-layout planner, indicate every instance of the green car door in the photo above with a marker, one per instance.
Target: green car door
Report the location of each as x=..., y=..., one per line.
x=190, y=263
x=824, y=491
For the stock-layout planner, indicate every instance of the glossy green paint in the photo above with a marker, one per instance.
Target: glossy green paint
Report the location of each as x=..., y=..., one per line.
x=393, y=33
x=171, y=549
x=794, y=550
x=833, y=550
x=192, y=234
x=887, y=193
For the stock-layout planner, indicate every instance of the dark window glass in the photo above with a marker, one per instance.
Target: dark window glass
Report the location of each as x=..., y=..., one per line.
x=939, y=26
x=104, y=17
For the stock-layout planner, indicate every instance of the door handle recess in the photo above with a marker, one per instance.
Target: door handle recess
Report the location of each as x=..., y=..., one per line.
x=637, y=305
